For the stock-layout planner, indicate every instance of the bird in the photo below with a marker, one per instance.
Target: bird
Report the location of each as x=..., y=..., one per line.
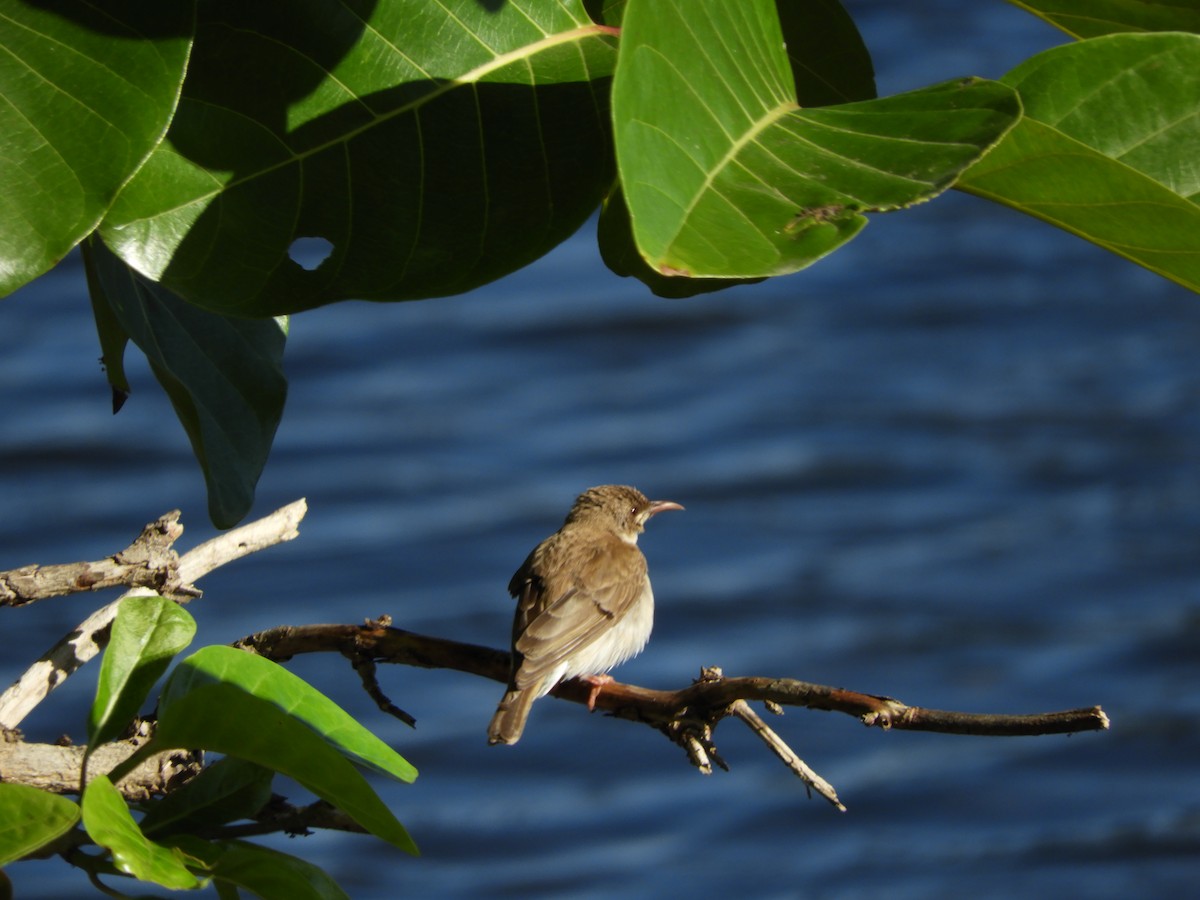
x=584, y=603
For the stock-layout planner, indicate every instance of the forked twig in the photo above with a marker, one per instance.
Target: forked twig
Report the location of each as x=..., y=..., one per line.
x=87, y=639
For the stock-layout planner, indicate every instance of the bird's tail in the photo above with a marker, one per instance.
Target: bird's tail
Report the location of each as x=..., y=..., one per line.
x=509, y=720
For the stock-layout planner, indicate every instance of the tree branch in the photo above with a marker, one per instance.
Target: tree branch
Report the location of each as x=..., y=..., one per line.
x=56, y=767
x=148, y=562
x=687, y=716
x=705, y=696
x=741, y=709
x=88, y=638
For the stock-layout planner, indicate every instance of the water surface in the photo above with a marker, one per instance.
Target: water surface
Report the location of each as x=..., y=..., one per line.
x=957, y=463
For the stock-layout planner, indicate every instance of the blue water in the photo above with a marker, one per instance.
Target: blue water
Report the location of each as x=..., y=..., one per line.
x=957, y=463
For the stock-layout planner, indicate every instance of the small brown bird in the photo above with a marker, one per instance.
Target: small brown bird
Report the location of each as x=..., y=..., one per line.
x=584, y=603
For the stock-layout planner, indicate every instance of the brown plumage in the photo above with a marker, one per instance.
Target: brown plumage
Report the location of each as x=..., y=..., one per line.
x=584, y=603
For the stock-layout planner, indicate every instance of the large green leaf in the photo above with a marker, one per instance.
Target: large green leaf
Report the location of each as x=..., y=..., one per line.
x=829, y=63
x=234, y=702
x=265, y=872
x=272, y=683
x=435, y=146
x=732, y=179
x=86, y=91
x=146, y=634
x=223, y=374
x=226, y=719
x=618, y=249
x=1108, y=147
x=30, y=819
x=108, y=822
x=1093, y=18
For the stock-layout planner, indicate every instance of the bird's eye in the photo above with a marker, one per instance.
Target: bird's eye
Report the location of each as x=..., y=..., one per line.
x=633, y=511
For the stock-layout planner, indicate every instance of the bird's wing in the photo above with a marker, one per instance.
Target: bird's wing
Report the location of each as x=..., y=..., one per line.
x=579, y=607
x=519, y=583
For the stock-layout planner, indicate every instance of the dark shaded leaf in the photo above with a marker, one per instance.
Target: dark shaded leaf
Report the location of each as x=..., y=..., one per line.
x=228, y=790
x=435, y=146
x=224, y=377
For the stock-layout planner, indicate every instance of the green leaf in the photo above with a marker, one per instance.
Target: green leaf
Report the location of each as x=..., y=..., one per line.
x=87, y=92
x=273, y=683
x=266, y=872
x=108, y=822
x=226, y=719
x=614, y=233
x=228, y=790
x=435, y=146
x=236, y=703
x=224, y=376
x=1093, y=18
x=146, y=635
x=731, y=179
x=1107, y=148
x=30, y=819
x=830, y=64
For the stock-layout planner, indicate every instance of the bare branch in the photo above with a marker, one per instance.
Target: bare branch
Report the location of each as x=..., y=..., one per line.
x=88, y=638
x=687, y=716
x=277, y=528
x=704, y=697
x=741, y=709
x=148, y=562
x=367, y=671
x=55, y=768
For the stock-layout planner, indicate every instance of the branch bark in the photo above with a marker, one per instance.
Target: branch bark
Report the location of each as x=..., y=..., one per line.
x=56, y=767
x=148, y=562
x=709, y=694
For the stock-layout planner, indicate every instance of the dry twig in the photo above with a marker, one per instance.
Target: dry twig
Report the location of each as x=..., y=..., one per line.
x=148, y=562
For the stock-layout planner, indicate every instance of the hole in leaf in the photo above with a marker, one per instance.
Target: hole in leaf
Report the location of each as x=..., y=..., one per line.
x=309, y=252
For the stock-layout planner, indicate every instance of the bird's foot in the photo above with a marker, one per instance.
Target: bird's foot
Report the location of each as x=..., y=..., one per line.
x=597, y=682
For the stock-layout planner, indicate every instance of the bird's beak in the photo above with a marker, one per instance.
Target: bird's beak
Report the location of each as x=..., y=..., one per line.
x=657, y=506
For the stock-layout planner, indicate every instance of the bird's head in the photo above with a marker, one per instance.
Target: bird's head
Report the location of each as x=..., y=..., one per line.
x=618, y=508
